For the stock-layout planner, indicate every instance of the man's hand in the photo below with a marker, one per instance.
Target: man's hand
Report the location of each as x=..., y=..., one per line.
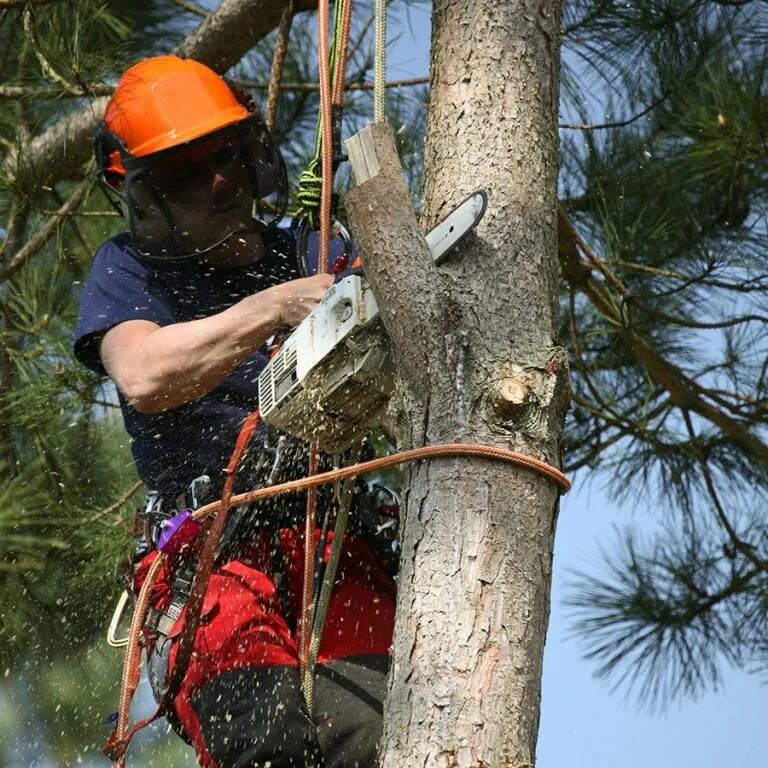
x=295, y=299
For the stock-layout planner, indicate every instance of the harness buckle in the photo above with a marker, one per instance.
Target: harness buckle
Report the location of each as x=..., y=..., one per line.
x=199, y=490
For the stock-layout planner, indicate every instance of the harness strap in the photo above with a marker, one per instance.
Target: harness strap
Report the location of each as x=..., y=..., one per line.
x=212, y=531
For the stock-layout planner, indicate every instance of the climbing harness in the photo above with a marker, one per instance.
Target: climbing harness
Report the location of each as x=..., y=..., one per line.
x=214, y=516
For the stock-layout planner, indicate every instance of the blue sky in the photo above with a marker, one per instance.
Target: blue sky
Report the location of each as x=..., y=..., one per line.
x=583, y=725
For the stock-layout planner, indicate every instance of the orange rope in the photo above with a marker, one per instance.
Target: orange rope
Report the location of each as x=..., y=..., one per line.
x=327, y=133
x=415, y=454
x=340, y=73
x=131, y=667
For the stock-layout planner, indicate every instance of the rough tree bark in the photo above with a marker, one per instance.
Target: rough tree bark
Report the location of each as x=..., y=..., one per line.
x=477, y=359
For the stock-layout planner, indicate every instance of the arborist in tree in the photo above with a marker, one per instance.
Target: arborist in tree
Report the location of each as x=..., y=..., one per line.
x=178, y=312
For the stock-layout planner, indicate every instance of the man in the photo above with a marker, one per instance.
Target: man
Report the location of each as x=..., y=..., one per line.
x=177, y=312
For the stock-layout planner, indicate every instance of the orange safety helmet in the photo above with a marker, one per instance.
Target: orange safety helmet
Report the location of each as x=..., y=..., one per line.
x=165, y=101
x=168, y=114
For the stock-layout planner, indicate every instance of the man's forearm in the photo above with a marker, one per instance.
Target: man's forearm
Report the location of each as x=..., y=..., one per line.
x=180, y=362
x=160, y=368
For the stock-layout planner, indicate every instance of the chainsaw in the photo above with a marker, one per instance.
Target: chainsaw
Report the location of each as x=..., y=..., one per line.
x=333, y=376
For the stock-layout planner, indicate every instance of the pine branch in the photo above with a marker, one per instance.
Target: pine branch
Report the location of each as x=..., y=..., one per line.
x=40, y=238
x=684, y=322
x=71, y=259
x=351, y=86
x=600, y=8
x=8, y=44
x=24, y=3
x=85, y=215
x=741, y=546
x=656, y=618
x=16, y=227
x=7, y=445
x=758, y=284
x=107, y=511
x=191, y=8
x=684, y=392
x=47, y=68
x=220, y=41
x=16, y=92
x=618, y=123
x=232, y=29
x=625, y=427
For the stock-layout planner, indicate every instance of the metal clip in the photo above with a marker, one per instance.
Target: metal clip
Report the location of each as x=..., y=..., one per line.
x=379, y=490
x=118, y=642
x=277, y=461
x=154, y=515
x=199, y=489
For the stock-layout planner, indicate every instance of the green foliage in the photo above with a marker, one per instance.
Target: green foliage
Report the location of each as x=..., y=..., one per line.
x=668, y=332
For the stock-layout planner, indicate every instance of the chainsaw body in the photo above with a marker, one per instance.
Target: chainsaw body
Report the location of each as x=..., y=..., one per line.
x=332, y=377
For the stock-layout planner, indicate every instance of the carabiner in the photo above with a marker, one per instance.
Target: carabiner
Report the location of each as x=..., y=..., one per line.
x=118, y=642
x=303, y=261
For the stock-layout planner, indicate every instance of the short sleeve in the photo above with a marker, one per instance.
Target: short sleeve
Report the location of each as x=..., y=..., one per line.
x=119, y=288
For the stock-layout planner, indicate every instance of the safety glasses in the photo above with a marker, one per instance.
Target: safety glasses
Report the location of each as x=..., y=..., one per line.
x=187, y=200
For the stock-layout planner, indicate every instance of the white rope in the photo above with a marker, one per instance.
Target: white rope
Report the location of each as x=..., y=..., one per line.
x=380, y=67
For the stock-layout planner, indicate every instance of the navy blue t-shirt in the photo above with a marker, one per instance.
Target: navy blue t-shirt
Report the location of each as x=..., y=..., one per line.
x=173, y=447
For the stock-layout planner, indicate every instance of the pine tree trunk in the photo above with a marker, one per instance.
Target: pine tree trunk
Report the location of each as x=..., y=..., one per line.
x=478, y=361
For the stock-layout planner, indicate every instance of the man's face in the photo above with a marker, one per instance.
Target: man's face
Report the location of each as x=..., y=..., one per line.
x=198, y=199
x=204, y=191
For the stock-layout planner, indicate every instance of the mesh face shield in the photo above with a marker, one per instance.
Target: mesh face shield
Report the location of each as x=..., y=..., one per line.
x=187, y=200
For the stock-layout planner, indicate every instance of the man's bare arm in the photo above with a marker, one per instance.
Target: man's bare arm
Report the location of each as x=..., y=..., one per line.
x=158, y=368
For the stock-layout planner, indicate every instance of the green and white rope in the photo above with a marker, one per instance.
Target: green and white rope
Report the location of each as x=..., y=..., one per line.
x=311, y=181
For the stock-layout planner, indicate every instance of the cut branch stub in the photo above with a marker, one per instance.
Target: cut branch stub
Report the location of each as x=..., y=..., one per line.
x=527, y=398
x=395, y=255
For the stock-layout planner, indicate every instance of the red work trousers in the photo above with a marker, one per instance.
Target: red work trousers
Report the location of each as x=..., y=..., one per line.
x=248, y=624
